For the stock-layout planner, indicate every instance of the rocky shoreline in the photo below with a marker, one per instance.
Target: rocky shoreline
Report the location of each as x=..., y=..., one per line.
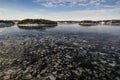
x=53, y=57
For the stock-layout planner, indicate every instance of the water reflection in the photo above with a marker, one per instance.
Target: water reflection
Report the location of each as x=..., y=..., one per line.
x=114, y=30
x=36, y=27
x=68, y=28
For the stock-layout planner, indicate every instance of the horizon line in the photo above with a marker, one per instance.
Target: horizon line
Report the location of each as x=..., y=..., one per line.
x=56, y=20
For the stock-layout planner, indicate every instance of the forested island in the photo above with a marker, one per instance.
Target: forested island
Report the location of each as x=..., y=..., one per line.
x=91, y=22
x=100, y=22
x=43, y=23
x=36, y=23
x=88, y=23
x=109, y=22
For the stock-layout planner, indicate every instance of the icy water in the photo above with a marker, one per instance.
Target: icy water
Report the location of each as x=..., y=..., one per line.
x=64, y=52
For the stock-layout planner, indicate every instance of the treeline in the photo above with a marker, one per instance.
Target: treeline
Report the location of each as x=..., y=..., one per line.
x=112, y=21
x=88, y=21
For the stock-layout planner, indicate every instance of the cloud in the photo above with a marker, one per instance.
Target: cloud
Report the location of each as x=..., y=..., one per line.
x=118, y=3
x=82, y=15
x=56, y=3
x=63, y=15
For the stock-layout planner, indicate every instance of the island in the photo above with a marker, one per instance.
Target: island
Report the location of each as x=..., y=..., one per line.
x=36, y=23
x=88, y=23
x=6, y=23
x=110, y=22
x=99, y=22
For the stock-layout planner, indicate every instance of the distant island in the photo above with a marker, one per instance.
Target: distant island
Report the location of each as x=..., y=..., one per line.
x=36, y=23
x=88, y=23
x=100, y=22
x=109, y=22
x=43, y=23
x=91, y=23
x=6, y=23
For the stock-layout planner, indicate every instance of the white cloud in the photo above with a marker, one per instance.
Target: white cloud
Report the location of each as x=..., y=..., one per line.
x=49, y=4
x=118, y=3
x=54, y=3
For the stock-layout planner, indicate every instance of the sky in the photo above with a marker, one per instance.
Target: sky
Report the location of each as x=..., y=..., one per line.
x=60, y=9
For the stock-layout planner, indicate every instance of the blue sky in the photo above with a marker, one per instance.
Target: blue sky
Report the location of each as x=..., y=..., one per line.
x=60, y=9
